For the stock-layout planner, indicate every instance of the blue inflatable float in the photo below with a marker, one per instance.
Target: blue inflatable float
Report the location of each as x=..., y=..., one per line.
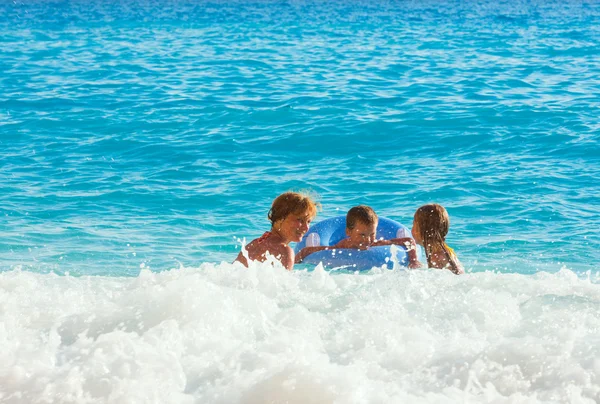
x=330, y=231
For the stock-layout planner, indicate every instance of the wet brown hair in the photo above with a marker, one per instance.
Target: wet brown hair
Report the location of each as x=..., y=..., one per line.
x=291, y=202
x=361, y=213
x=433, y=223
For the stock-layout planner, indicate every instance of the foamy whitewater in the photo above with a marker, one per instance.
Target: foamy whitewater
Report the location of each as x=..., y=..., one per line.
x=142, y=141
x=226, y=334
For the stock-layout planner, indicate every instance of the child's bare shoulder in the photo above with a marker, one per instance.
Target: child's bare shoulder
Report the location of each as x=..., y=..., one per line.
x=255, y=249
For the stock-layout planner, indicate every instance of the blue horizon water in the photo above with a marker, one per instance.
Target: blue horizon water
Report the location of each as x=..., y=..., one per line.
x=140, y=134
x=140, y=141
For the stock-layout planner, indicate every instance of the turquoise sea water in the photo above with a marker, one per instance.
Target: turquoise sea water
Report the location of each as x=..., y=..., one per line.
x=143, y=132
x=138, y=137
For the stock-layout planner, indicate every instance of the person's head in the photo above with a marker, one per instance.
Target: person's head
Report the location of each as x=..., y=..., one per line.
x=430, y=225
x=361, y=225
x=291, y=214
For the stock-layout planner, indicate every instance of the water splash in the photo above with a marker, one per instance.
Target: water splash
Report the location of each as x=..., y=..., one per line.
x=226, y=334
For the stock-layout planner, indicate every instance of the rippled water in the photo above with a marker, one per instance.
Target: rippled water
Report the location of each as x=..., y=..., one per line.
x=145, y=133
x=142, y=135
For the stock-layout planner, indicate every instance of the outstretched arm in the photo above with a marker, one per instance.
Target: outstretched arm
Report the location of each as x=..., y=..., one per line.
x=347, y=243
x=306, y=251
x=411, y=249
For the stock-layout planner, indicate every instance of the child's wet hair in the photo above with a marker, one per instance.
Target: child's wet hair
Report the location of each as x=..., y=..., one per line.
x=292, y=202
x=362, y=213
x=433, y=223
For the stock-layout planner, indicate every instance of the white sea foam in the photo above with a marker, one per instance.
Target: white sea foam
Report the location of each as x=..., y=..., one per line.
x=226, y=334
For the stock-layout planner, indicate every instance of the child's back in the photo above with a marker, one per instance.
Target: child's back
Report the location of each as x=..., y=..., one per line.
x=430, y=227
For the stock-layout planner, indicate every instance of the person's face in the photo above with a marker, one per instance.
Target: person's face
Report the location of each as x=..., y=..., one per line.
x=294, y=226
x=362, y=233
x=416, y=232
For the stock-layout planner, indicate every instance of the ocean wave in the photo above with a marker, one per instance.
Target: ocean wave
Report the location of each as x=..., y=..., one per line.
x=221, y=333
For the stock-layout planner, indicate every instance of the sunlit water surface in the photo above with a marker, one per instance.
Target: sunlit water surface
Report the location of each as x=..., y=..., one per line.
x=141, y=141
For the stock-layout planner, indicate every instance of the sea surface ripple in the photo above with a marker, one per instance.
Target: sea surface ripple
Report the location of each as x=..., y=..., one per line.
x=146, y=132
x=153, y=133
x=142, y=141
